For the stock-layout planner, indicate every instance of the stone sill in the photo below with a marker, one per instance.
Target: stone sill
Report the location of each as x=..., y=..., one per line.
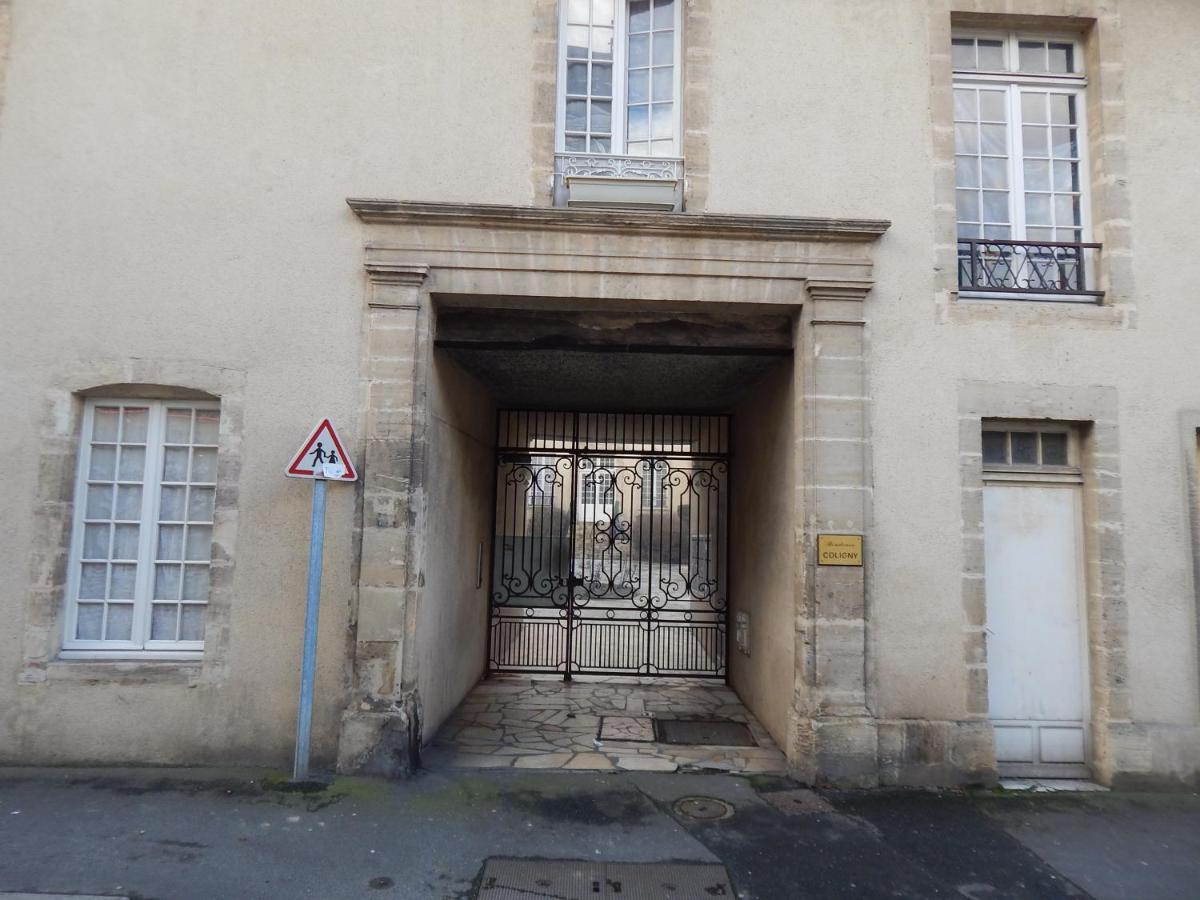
x=975, y=308
x=122, y=671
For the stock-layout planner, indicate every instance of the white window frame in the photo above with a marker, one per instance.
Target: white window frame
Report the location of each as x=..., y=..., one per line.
x=620, y=79
x=135, y=648
x=1016, y=82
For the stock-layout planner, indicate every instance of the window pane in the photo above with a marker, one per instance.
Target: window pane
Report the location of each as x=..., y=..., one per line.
x=179, y=426
x=997, y=232
x=92, y=581
x=639, y=50
x=195, y=583
x=191, y=626
x=601, y=82
x=601, y=122
x=639, y=86
x=664, y=48
x=1039, y=234
x=1034, y=139
x=200, y=505
x=1037, y=209
x=1024, y=448
x=664, y=14
x=166, y=582
x=639, y=148
x=577, y=11
x=104, y=423
x=991, y=55
x=576, y=115
x=1066, y=176
x=1054, y=449
x=133, y=425
x=995, y=172
x=1066, y=210
x=89, y=620
x=967, y=203
x=962, y=53
x=125, y=542
x=995, y=206
x=664, y=83
x=170, y=542
x=123, y=581
x=95, y=541
x=120, y=622
x=639, y=15
x=170, y=504
x=602, y=43
x=577, y=76
x=994, y=139
x=1033, y=108
x=199, y=542
x=175, y=462
x=639, y=123
x=966, y=104
x=129, y=502
x=993, y=106
x=966, y=171
x=663, y=124
x=133, y=463
x=1063, y=139
x=966, y=138
x=1037, y=174
x=995, y=447
x=602, y=12
x=577, y=42
x=103, y=464
x=576, y=143
x=99, y=501
x=162, y=622
x=1061, y=58
x=1032, y=56
x=601, y=145
x=1062, y=109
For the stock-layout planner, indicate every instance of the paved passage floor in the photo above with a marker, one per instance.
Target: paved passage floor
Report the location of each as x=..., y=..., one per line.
x=542, y=722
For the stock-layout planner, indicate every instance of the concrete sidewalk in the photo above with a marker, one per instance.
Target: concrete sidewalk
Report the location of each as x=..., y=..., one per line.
x=200, y=833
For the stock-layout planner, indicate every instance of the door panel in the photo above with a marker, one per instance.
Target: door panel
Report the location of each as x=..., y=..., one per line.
x=1037, y=682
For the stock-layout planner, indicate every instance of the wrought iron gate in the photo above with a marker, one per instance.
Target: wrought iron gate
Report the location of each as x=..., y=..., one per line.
x=610, y=544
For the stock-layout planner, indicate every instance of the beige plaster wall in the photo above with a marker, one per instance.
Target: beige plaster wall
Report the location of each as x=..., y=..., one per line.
x=452, y=615
x=762, y=549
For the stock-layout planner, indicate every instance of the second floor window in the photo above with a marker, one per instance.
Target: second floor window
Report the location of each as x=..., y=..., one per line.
x=1020, y=175
x=619, y=77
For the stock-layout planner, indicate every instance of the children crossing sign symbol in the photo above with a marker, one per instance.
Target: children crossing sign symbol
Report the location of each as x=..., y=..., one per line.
x=322, y=455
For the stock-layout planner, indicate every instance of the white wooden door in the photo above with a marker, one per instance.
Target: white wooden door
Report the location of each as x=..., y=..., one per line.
x=1036, y=648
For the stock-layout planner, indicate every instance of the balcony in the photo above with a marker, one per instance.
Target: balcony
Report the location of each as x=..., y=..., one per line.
x=1028, y=270
x=599, y=180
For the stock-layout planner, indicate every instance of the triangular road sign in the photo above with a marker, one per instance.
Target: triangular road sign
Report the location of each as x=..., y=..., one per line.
x=323, y=455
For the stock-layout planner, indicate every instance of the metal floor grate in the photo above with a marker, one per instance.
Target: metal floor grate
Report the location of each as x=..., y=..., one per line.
x=703, y=732
x=526, y=879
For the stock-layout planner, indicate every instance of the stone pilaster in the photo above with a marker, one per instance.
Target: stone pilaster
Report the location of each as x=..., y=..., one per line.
x=841, y=745
x=381, y=731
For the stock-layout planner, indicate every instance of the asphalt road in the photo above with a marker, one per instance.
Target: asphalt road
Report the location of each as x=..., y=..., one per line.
x=203, y=833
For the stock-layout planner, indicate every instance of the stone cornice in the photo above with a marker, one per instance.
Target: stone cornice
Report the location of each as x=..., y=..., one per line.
x=838, y=289
x=397, y=273
x=743, y=227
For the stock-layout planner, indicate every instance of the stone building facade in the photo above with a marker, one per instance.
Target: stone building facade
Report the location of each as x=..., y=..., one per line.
x=930, y=257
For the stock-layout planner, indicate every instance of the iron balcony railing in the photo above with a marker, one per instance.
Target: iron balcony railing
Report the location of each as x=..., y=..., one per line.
x=1051, y=268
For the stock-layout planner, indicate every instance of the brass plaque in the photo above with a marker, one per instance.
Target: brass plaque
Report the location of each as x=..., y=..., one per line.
x=839, y=549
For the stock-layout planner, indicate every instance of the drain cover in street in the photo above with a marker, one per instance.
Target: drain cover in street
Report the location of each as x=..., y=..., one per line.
x=524, y=879
x=799, y=802
x=709, y=732
x=703, y=809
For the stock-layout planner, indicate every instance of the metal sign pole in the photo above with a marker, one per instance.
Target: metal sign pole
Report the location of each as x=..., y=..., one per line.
x=308, y=668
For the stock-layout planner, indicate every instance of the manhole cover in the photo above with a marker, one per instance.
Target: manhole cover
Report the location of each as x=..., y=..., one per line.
x=526, y=879
x=703, y=732
x=703, y=809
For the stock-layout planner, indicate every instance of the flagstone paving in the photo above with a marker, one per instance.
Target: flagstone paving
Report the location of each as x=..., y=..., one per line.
x=594, y=723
